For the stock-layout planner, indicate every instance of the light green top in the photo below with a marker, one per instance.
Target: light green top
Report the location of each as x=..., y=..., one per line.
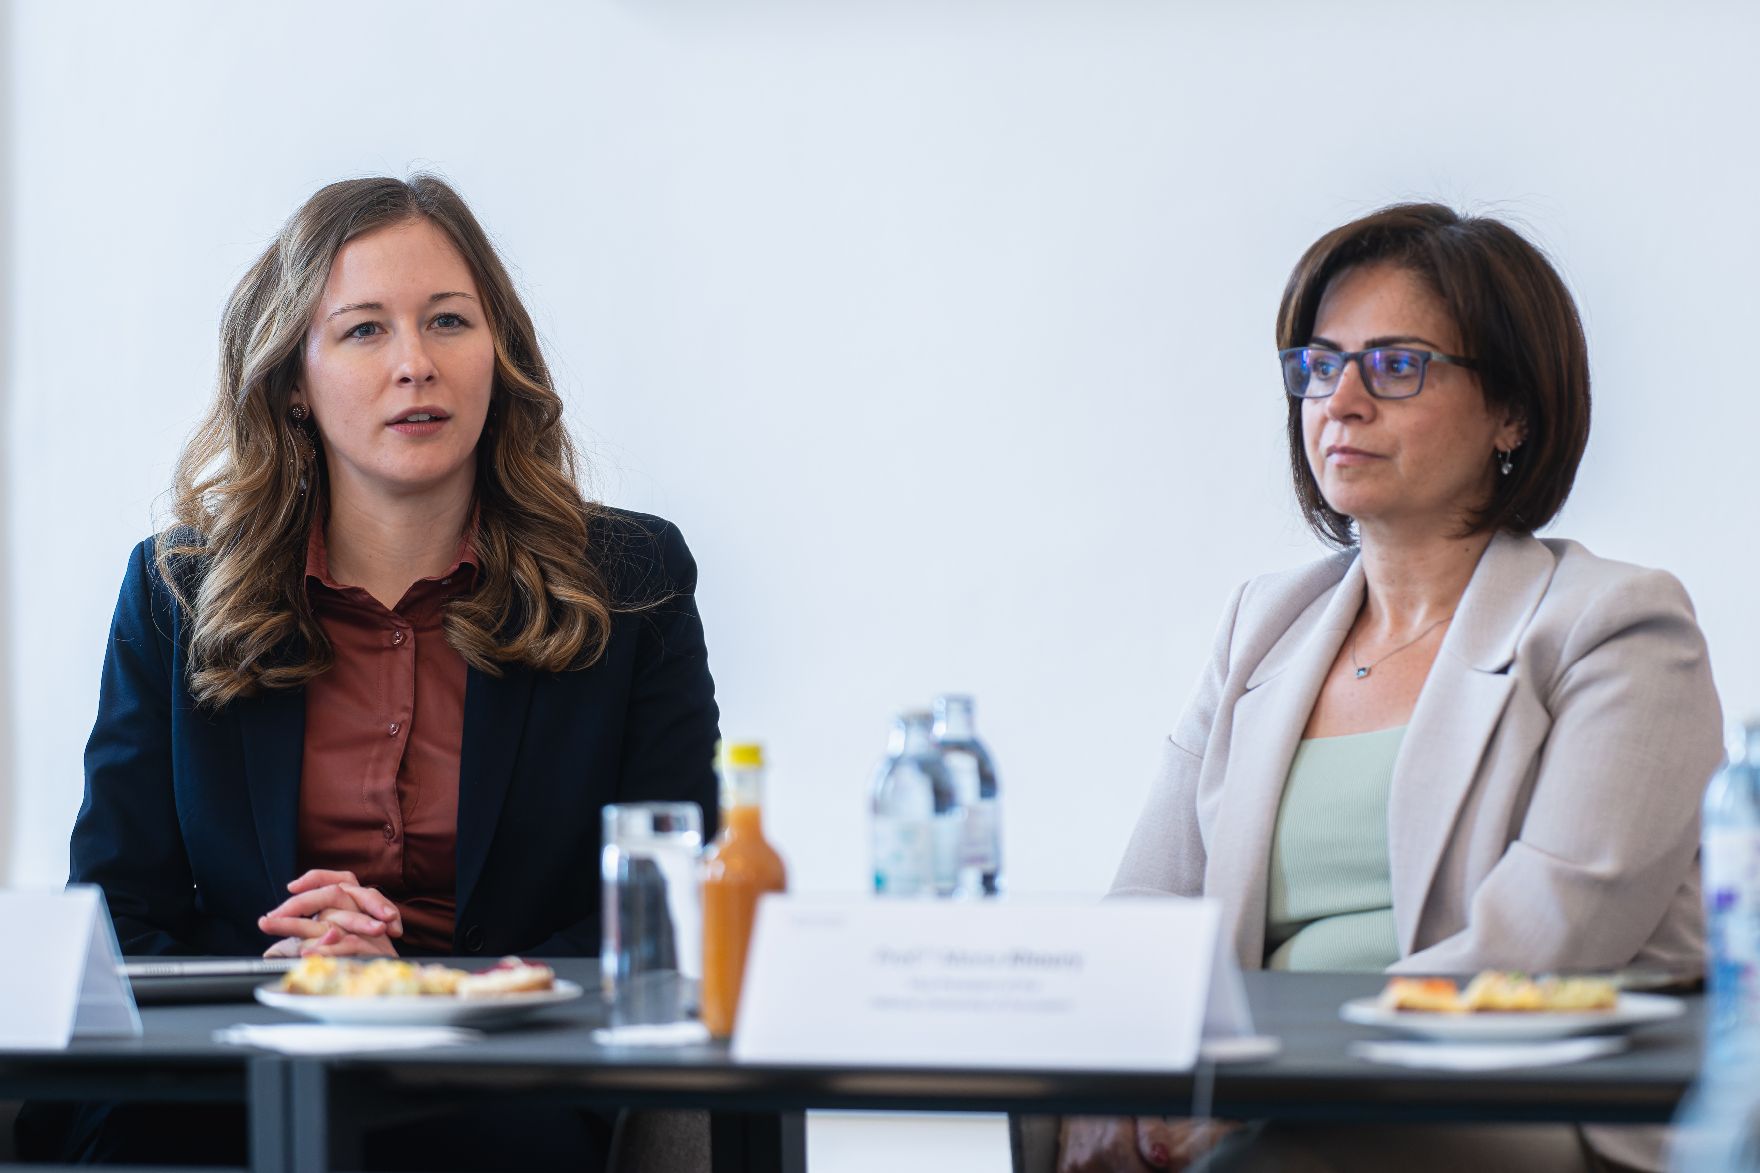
x=1330, y=899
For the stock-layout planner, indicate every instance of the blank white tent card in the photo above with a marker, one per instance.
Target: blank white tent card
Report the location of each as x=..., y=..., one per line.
x=69, y=982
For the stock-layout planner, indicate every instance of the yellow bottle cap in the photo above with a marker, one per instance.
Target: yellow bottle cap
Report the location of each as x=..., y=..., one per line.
x=741, y=754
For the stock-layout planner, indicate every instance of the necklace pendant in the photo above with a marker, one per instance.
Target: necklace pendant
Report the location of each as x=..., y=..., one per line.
x=1362, y=672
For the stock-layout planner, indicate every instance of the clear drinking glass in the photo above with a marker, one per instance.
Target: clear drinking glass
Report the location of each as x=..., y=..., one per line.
x=651, y=952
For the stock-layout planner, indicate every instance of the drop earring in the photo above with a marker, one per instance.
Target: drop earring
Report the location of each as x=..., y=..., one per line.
x=304, y=454
x=1506, y=461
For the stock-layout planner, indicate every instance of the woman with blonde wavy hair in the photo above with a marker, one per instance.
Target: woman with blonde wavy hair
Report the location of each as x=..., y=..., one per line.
x=370, y=691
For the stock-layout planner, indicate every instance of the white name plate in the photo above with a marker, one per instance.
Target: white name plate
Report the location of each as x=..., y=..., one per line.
x=66, y=980
x=1028, y=984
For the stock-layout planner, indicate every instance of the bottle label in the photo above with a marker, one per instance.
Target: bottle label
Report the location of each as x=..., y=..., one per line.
x=949, y=839
x=1732, y=864
x=1731, y=861
x=904, y=856
x=983, y=836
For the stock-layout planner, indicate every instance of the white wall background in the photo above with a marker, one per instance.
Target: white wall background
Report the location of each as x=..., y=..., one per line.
x=942, y=328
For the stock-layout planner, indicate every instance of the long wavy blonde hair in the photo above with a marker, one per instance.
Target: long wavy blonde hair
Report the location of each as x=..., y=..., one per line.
x=247, y=487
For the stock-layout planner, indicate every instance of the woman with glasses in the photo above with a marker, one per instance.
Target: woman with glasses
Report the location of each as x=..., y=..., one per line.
x=1450, y=745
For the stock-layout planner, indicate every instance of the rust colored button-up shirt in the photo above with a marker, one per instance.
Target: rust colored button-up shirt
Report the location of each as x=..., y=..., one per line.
x=378, y=792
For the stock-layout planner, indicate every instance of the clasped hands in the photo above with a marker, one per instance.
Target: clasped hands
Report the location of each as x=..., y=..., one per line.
x=332, y=913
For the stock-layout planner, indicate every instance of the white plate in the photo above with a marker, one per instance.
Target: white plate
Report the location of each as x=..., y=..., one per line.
x=412, y=1010
x=1513, y=1026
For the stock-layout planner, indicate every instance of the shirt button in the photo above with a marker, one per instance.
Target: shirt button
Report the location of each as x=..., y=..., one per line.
x=390, y=832
x=394, y=728
x=396, y=637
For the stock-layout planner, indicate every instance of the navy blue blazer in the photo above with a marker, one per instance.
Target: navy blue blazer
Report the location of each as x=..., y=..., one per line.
x=190, y=816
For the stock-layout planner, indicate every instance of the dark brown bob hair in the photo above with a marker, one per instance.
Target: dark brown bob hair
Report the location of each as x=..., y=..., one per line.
x=1517, y=321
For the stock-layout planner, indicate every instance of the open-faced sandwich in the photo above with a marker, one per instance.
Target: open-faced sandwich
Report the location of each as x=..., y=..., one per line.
x=1436, y=994
x=386, y=977
x=1501, y=992
x=510, y=975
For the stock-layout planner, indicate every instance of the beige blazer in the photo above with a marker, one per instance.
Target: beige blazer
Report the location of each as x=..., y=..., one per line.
x=1545, y=804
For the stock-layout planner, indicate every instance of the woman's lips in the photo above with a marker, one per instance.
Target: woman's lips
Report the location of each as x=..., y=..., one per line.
x=425, y=428
x=1342, y=456
x=418, y=426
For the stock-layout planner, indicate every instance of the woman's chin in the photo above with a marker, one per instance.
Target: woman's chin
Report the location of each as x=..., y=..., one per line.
x=1356, y=504
x=415, y=480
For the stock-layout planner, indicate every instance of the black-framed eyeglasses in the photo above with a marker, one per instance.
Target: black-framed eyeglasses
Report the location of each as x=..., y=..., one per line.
x=1389, y=372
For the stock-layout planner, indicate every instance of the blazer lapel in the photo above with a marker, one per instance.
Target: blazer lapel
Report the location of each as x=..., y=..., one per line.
x=1456, y=714
x=272, y=731
x=1268, y=723
x=494, y=721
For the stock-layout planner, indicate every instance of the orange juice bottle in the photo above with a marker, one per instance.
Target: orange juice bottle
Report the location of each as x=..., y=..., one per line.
x=738, y=868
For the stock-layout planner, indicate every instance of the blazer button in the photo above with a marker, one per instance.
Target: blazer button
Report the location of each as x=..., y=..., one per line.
x=473, y=938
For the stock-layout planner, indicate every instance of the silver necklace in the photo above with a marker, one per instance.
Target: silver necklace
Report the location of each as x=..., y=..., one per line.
x=1363, y=669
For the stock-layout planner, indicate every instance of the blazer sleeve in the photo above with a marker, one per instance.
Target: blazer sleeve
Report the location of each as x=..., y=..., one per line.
x=1165, y=855
x=127, y=839
x=1609, y=838
x=672, y=723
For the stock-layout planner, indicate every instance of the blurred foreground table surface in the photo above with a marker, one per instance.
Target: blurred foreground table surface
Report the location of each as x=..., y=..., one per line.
x=307, y=1113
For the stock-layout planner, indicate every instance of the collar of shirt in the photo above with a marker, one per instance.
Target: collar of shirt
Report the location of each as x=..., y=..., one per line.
x=460, y=576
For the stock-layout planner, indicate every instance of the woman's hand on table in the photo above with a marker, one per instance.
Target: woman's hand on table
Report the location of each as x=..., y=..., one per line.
x=331, y=912
x=1106, y=1144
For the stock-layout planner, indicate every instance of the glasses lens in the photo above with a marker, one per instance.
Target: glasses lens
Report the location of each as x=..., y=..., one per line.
x=1395, y=373
x=1310, y=372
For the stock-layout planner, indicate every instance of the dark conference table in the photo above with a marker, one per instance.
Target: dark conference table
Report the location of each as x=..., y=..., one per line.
x=306, y=1113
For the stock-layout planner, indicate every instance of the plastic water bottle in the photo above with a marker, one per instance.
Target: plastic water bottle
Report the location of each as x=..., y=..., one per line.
x=916, y=820
x=1718, y=1127
x=1730, y=855
x=974, y=788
